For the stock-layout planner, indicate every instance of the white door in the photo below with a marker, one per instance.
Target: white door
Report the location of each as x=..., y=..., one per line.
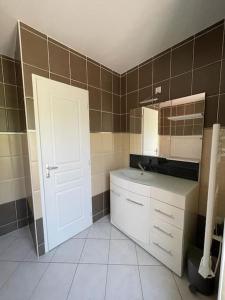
x=62, y=118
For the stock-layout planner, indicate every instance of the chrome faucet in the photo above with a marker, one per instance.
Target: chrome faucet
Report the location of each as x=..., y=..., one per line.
x=141, y=167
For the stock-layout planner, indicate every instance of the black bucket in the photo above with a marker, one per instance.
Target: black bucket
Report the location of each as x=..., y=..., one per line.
x=197, y=282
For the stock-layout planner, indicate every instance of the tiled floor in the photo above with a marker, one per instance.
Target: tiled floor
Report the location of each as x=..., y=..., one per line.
x=99, y=263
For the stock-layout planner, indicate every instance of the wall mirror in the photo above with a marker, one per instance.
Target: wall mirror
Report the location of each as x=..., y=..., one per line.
x=172, y=129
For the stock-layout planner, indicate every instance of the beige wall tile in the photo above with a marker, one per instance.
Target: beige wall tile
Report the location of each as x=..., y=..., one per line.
x=33, y=145
x=117, y=142
x=97, y=164
x=17, y=166
x=107, y=142
x=96, y=143
x=12, y=190
x=97, y=184
x=6, y=168
x=35, y=176
x=37, y=204
x=15, y=144
x=4, y=142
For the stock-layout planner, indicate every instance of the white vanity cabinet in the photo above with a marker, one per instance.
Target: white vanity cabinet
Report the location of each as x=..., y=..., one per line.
x=161, y=221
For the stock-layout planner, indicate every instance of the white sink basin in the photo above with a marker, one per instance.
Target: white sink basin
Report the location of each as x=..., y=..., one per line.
x=137, y=175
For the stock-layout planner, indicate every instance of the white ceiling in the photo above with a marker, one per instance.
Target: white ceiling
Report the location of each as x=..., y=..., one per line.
x=117, y=33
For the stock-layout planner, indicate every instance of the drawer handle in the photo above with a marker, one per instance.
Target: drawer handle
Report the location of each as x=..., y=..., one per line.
x=163, y=231
x=115, y=193
x=162, y=248
x=132, y=201
x=163, y=213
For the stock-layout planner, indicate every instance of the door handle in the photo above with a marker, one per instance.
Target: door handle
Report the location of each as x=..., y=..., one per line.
x=163, y=213
x=49, y=168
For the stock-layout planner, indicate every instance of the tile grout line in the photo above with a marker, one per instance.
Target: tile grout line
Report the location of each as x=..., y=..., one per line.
x=107, y=271
x=221, y=69
x=139, y=275
x=177, y=286
x=76, y=269
x=34, y=289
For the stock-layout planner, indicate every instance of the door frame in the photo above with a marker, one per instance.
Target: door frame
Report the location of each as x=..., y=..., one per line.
x=35, y=79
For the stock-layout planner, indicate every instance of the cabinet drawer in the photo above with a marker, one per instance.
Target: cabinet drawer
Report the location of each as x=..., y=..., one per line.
x=168, y=197
x=171, y=257
x=171, y=236
x=167, y=213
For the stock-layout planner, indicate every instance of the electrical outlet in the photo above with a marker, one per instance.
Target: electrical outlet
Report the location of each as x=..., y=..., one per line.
x=158, y=90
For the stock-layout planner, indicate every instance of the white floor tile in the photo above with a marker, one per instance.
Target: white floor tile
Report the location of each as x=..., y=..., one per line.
x=105, y=219
x=145, y=259
x=5, y=242
x=158, y=283
x=100, y=231
x=23, y=232
x=69, y=252
x=55, y=283
x=122, y=252
x=23, y=281
x=123, y=283
x=117, y=235
x=89, y=282
x=32, y=256
x=6, y=270
x=17, y=250
x=82, y=235
x=95, y=251
x=183, y=286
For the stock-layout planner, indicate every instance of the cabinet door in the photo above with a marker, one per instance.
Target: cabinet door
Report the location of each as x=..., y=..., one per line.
x=137, y=217
x=117, y=209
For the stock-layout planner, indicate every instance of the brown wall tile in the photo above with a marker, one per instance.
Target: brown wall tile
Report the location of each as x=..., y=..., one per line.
x=182, y=58
x=93, y=74
x=106, y=80
x=106, y=101
x=3, y=125
x=11, y=96
x=132, y=101
x=221, y=116
x=123, y=104
x=95, y=120
x=9, y=71
x=107, y=122
x=116, y=123
x=116, y=104
x=181, y=86
x=116, y=84
x=78, y=68
x=28, y=71
x=34, y=49
x=123, y=85
x=94, y=98
x=211, y=107
x=1, y=74
x=164, y=96
x=145, y=94
x=13, y=120
x=206, y=80
x=161, y=68
x=59, y=78
x=79, y=84
x=222, y=86
x=2, y=95
x=145, y=75
x=132, y=81
x=97, y=204
x=208, y=47
x=58, y=60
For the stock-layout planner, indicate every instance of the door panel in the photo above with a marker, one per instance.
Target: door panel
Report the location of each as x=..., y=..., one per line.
x=62, y=115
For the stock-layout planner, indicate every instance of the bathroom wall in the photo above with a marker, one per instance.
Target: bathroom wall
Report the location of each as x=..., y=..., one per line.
x=13, y=150
x=46, y=57
x=195, y=65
